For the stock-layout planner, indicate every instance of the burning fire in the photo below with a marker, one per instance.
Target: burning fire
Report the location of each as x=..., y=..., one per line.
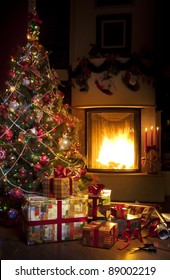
x=117, y=152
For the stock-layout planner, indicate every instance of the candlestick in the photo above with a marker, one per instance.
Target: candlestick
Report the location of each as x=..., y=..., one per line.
x=157, y=138
x=151, y=135
x=146, y=138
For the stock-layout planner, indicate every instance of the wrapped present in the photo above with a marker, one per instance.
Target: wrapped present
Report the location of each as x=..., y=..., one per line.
x=122, y=224
x=145, y=211
x=133, y=221
x=60, y=188
x=50, y=220
x=100, y=234
x=99, y=206
x=95, y=189
x=119, y=211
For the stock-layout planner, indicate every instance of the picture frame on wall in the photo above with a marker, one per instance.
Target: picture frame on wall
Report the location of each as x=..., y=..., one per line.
x=105, y=3
x=113, y=33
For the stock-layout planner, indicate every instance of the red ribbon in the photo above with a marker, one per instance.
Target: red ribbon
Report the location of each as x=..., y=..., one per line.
x=95, y=189
x=62, y=172
x=57, y=221
x=94, y=208
x=127, y=235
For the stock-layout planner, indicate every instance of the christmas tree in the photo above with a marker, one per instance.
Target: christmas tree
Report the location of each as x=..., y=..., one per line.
x=37, y=130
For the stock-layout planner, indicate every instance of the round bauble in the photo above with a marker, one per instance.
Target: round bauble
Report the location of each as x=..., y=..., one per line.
x=16, y=193
x=12, y=214
x=64, y=144
x=2, y=154
x=13, y=106
x=37, y=167
x=22, y=172
x=44, y=160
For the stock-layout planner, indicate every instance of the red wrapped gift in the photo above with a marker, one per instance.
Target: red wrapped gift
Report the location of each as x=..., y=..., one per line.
x=50, y=220
x=100, y=234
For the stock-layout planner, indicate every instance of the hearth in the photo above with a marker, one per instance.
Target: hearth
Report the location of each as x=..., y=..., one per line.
x=113, y=139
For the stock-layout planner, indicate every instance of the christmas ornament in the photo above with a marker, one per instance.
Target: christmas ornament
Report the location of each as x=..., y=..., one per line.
x=39, y=116
x=44, y=159
x=37, y=167
x=34, y=50
x=16, y=193
x=6, y=134
x=12, y=214
x=46, y=98
x=33, y=131
x=22, y=172
x=40, y=133
x=13, y=106
x=64, y=144
x=26, y=82
x=83, y=171
x=2, y=154
x=21, y=136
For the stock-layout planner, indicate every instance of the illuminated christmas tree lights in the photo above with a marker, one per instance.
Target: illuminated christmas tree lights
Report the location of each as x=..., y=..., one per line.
x=37, y=130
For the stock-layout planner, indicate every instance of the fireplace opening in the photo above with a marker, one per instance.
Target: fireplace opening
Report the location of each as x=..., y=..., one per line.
x=113, y=139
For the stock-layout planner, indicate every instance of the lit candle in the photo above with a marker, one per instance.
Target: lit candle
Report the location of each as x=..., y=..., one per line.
x=151, y=135
x=157, y=137
x=146, y=138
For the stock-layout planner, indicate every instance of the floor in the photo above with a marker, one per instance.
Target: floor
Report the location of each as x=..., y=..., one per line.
x=14, y=247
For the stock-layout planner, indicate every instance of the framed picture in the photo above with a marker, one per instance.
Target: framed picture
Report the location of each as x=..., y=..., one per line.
x=113, y=33
x=104, y=3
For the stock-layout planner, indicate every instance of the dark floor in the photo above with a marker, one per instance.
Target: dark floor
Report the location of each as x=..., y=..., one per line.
x=13, y=247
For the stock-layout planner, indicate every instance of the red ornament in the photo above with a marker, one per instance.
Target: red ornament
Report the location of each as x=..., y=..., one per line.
x=40, y=133
x=22, y=172
x=83, y=171
x=47, y=98
x=16, y=193
x=44, y=159
x=37, y=167
x=6, y=134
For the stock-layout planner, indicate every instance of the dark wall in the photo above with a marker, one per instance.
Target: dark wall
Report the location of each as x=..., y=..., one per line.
x=55, y=29
x=13, y=25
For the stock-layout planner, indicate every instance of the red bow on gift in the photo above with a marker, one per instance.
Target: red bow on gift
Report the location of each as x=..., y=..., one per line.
x=62, y=172
x=95, y=189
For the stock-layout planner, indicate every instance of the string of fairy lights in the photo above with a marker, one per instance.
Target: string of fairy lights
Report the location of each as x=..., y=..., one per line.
x=32, y=111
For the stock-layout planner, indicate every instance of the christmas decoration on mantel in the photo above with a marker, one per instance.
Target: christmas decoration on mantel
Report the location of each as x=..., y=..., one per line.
x=37, y=130
x=133, y=67
x=151, y=162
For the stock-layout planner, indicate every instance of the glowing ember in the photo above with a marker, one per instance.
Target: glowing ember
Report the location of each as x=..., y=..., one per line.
x=117, y=152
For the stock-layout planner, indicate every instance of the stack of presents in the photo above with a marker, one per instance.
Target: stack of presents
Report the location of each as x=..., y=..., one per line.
x=63, y=213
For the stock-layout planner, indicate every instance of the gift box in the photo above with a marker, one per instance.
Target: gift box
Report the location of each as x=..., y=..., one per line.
x=100, y=234
x=143, y=210
x=119, y=211
x=50, y=220
x=122, y=224
x=99, y=206
x=133, y=221
x=60, y=188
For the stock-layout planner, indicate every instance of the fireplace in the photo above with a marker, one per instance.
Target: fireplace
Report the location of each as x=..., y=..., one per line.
x=126, y=113
x=113, y=139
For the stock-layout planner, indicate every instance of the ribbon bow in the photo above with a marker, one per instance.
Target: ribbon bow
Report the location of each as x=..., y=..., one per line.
x=62, y=172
